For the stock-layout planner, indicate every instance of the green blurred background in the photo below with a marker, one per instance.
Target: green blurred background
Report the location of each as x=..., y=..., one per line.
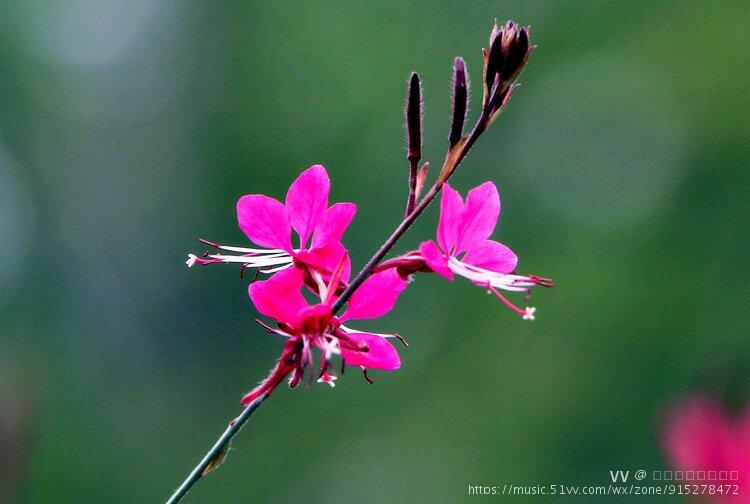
x=130, y=128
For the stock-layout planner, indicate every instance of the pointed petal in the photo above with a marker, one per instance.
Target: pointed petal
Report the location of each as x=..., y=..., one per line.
x=451, y=217
x=480, y=216
x=264, y=220
x=376, y=296
x=435, y=259
x=279, y=297
x=307, y=200
x=380, y=353
x=493, y=256
x=333, y=224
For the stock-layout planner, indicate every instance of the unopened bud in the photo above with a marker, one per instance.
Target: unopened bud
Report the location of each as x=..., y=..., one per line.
x=414, y=119
x=460, y=100
x=493, y=64
x=516, y=49
x=505, y=58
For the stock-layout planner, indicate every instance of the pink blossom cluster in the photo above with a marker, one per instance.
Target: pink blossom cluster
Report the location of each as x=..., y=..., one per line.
x=309, y=296
x=298, y=243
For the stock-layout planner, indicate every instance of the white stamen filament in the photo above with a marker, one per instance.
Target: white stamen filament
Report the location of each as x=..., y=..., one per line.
x=275, y=259
x=278, y=268
x=349, y=330
x=509, y=282
x=330, y=347
x=251, y=260
x=245, y=250
x=322, y=287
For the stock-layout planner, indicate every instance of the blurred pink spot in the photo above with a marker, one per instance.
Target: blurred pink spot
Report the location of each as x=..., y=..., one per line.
x=700, y=436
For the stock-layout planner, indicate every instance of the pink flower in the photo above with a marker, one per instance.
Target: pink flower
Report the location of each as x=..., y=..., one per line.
x=269, y=223
x=463, y=247
x=306, y=326
x=702, y=438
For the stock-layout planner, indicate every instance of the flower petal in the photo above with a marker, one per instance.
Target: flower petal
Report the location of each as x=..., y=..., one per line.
x=264, y=220
x=480, y=216
x=376, y=296
x=326, y=258
x=307, y=200
x=451, y=217
x=334, y=222
x=279, y=297
x=380, y=353
x=697, y=434
x=492, y=256
x=435, y=259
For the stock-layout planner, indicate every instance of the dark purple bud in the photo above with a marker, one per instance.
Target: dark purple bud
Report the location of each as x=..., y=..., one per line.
x=504, y=60
x=516, y=53
x=460, y=100
x=495, y=61
x=414, y=119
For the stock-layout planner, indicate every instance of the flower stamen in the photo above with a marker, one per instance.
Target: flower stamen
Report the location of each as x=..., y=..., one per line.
x=264, y=260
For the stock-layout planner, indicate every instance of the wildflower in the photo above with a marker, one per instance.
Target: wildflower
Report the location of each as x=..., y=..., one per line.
x=306, y=326
x=463, y=247
x=269, y=223
x=700, y=437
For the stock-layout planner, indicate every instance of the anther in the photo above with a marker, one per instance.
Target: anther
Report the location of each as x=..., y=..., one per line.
x=367, y=378
x=402, y=340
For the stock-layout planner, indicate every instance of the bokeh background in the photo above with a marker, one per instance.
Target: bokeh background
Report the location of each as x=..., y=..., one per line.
x=130, y=128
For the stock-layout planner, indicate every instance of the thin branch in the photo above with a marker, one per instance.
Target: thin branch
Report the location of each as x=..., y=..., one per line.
x=217, y=450
x=366, y=271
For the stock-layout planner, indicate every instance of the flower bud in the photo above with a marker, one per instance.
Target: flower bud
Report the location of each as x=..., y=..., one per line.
x=493, y=64
x=460, y=100
x=414, y=119
x=505, y=58
x=516, y=49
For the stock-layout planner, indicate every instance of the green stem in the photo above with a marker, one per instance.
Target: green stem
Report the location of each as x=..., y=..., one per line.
x=217, y=450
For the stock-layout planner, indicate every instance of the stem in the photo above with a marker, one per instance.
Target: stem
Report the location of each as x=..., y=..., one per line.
x=217, y=449
x=366, y=271
x=411, y=200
